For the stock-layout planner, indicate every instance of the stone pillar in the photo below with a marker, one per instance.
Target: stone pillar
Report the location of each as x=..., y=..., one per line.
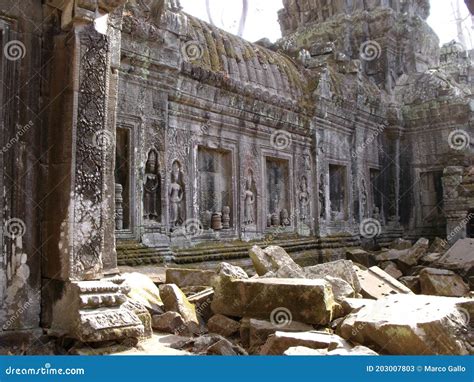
x=456, y=206
x=80, y=226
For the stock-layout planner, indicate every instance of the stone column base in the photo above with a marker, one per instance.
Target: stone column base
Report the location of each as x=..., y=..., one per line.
x=95, y=311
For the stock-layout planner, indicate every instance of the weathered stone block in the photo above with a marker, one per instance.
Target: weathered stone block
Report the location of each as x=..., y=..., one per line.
x=255, y=332
x=169, y=322
x=275, y=261
x=174, y=300
x=189, y=277
x=376, y=283
x=362, y=257
x=442, y=282
x=309, y=301
x=412, y=325
x=223, y=325
x=343, y=269
x=144, y=291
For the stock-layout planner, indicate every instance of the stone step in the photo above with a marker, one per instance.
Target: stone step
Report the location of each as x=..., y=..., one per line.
x=308, y=250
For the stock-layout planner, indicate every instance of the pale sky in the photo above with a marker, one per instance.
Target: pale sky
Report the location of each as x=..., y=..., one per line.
x=263, y=20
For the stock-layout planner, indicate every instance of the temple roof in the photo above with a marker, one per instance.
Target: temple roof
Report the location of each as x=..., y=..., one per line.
x=242, y=61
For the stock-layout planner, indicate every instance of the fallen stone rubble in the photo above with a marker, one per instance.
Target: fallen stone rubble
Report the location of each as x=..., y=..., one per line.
x=401, y=300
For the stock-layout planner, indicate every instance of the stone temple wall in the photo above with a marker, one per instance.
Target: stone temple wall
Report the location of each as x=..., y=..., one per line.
x=21, y=164
x=130, y=121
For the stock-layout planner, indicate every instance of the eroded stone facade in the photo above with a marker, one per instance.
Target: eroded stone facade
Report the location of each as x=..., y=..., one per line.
x=136, y=123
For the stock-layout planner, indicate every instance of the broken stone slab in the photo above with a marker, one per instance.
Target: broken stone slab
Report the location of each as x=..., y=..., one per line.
x=341, y=289
x=375, y=283
x=352, y=304
x=202, y=302
x=442, y=282
x=414, y=255
x=409, y=324
x=359, y=256
x=304, y=351
x=274, y=260
x=261, y=261
x=401, y=244
x=255, y=332
x=309, y=301
x=189, y=277
x=144, y=291
x=169, y=322
x=223, y=325
x=411, y=282
x=459, y=257
x=279, y=342
x=438, y=246
x=174, y=300
x=343, y=269
x=431, y=258
x=391, y=268
x=390, y=255
x=143, y=314
x=232, y=271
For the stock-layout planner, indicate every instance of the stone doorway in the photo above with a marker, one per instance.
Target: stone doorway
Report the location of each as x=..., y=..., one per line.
x=215, y=187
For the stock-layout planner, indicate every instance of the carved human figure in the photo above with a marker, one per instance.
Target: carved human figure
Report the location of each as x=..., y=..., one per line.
x=176, y=195
x=151, y=187
x=249, y=201
x=303, y=198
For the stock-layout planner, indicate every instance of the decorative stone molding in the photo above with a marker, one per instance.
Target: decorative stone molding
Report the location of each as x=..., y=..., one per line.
x=94, y=311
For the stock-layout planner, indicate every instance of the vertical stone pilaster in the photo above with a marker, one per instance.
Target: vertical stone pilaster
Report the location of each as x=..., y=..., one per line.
x=82, y=225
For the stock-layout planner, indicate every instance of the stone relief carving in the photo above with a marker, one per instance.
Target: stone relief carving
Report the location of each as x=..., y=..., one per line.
x=303, y=198
x=363, y=199
x=152, y=188
x=176, y=195
x=249, y=200
x=90, y=156
x=118, y=206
